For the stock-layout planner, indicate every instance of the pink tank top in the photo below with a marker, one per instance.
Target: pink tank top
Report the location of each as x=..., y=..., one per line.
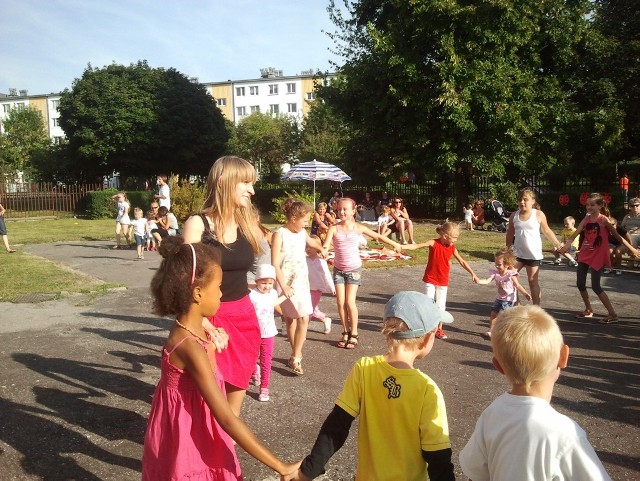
x=345, y=245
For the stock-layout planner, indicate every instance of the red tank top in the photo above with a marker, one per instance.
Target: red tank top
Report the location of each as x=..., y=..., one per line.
x=438, y=266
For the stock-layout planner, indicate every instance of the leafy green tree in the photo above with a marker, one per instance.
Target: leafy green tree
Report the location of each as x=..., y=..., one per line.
x=324, y=135
x=436, y=86
x=24, y=136
x=267, y=142
x=139, y=121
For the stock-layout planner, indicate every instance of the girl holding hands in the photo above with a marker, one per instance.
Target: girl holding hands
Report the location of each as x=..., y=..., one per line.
x=347, y=266
x=594, y=254
x=191, y=426
x=523, y=234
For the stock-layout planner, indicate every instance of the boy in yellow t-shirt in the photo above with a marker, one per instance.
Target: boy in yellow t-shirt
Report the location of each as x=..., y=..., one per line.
x=569, y=228
x=403, y=432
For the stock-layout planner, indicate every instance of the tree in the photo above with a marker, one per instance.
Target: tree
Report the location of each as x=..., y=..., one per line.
x=324, y=135
x=461, y=87
x=24, y=136
x=141, y=121
x=267, y=142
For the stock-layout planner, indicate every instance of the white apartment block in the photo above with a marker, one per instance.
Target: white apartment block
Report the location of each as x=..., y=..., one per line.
x=272, y=93
x=48, y=105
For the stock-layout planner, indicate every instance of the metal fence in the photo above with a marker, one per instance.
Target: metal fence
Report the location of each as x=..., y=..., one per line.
x=31, y=199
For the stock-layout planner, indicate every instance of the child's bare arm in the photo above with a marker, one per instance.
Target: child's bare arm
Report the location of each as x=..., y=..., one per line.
x=520, y=289
x=484, y=282
x=379, y=237
x=464, y=265
x=412, y=247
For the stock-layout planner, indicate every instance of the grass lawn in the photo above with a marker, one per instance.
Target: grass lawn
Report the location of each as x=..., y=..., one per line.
x=29, y=274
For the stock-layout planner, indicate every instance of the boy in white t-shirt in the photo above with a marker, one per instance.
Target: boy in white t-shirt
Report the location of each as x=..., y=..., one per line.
x=520, y=436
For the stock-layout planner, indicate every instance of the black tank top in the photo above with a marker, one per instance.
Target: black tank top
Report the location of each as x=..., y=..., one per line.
x=236, y=260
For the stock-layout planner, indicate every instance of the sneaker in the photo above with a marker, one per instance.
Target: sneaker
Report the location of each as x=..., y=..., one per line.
x=606, y=270
x=618, y=272
x=557, y=261
x=327, y=325
x=573, y=263
x=264, y=395
x=440, y=334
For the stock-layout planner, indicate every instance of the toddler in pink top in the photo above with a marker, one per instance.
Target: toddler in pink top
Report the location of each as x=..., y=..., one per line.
x=347, y=266
x=191, y=425
x=505, y=276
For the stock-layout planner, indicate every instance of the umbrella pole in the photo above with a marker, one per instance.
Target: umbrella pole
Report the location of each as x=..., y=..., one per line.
x=314, y=195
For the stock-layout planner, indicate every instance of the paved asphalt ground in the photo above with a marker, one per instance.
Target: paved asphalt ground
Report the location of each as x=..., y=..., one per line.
x=78, y=374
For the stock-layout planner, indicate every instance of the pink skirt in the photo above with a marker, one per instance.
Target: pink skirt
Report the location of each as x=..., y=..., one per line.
x=238, y=361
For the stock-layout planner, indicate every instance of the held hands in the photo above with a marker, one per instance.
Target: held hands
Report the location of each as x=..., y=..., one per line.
x=474, y=278
x=219, y=336
x=288, y=291
x=296, y=476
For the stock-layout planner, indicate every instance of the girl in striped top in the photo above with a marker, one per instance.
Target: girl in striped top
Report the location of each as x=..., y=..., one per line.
x=347, y=266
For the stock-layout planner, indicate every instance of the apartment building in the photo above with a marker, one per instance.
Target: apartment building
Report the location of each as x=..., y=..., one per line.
x=272, y=93
x=48, y=105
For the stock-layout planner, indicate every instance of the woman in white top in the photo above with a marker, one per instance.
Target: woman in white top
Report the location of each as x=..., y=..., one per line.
x=523, y=235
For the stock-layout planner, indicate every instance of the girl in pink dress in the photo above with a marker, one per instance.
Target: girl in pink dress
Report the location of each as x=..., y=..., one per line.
x=594, y=254
x=191, y=425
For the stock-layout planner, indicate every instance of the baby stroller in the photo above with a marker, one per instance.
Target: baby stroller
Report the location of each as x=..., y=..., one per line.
x=498, y=217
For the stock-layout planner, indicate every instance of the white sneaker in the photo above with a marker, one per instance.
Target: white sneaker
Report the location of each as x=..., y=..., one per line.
x=573, y=263
x=618, y=272
x=327, y=325
x=264, y=395
x=558, y=261
x=606, y=270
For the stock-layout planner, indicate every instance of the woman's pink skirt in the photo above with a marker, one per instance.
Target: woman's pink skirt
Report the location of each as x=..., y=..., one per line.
x=238, y=361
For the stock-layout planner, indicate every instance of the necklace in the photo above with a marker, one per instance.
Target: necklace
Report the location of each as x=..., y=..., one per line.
x=206, y=333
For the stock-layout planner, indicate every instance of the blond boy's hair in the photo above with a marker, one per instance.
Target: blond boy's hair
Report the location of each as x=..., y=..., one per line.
x=395, y=324
x=526, y=342
x=569, y=220
x=137, y=210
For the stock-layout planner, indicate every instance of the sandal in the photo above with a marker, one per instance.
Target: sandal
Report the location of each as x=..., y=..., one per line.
x=342, y=343
x=609, y=320
x=353, y=341
x=585, y=313
x=295, y=364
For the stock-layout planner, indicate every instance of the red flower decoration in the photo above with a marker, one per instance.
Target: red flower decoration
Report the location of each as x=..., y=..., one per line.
x=607, y=198
x=583, y=198
x=564, y=200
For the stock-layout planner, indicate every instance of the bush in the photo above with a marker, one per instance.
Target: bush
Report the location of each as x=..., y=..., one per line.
x=97, y=204
x=186, y=198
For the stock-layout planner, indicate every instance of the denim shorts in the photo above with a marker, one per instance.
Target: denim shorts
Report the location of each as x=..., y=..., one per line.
x=347, y=277
x=500, y=305
x=139, y=240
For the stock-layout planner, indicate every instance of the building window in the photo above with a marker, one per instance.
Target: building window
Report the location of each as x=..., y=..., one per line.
x=56, y=122
x=221, y=102
x=291, y=88
x=6, y=108
x=274, y=108
x=242, y=111
x=292, y=108
x=20, y=106
x=240, y=91
x=311, y=95
x=55, y=105
x=273, y=89
x=253, y=90
x=255, y=108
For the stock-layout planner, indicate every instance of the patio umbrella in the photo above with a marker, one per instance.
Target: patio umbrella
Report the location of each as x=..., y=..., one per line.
x=315, y=170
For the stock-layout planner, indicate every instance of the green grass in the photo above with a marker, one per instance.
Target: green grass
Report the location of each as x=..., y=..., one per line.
x=25, y=274
x=59, y=230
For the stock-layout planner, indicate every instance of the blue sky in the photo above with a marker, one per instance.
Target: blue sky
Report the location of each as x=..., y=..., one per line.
x=46, y=44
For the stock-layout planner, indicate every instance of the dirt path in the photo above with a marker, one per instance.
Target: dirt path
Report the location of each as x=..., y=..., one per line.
x=78, y=374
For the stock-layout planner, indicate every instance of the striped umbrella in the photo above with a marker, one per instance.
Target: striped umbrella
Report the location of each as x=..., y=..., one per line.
x=315, y=170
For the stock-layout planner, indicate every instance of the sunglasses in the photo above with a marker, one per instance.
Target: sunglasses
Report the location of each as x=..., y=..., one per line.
x=397, y=202
x=635, y=205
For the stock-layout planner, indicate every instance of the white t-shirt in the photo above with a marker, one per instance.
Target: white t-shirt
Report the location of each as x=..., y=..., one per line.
x=123, y=215
x=139, y=226
x=164, y=190
x=523, y=438
x=468, y=216
x=264, y=303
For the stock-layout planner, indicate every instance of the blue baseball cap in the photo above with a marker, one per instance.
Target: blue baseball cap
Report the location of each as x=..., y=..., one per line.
x=418, y=312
